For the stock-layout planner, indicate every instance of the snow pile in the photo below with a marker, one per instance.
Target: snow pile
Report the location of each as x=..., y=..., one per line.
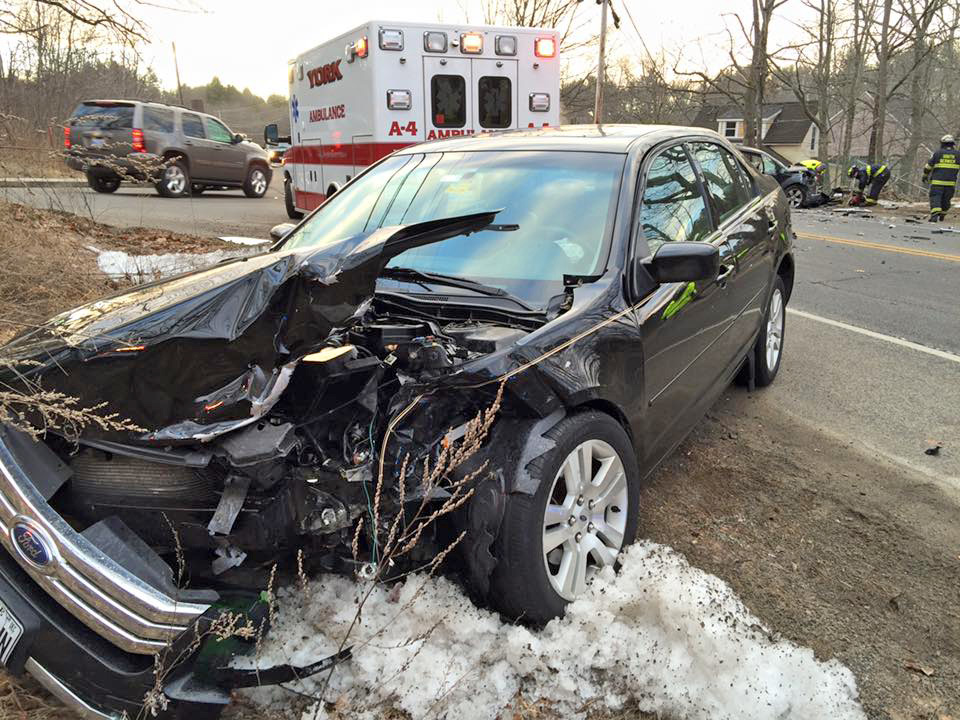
x=145, y=268
x=241, y=240
x=659, y=637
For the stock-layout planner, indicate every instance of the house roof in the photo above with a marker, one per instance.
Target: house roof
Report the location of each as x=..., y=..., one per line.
x=789, y=127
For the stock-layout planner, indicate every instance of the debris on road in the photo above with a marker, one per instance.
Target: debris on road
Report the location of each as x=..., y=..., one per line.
x=917, y=668
x=935, y=450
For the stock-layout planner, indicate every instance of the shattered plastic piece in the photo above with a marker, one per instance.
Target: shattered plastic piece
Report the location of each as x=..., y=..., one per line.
x=226, y=558
x=231, y=502
x=935, y=450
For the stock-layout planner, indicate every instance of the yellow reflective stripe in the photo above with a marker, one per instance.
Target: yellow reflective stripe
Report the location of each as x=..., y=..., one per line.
x=948, y=166
x=882, y=168
x=944, y=183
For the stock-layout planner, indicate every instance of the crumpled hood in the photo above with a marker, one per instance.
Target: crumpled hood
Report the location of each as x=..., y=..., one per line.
x=202, y=353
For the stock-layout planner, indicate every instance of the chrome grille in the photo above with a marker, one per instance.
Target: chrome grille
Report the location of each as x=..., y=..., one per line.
x=108, y=599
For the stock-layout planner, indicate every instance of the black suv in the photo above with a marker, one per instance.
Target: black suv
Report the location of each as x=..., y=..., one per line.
x=182, y=151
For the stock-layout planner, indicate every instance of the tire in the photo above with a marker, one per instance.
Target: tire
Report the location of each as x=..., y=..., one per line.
x=257, y=182
x=768, y=352
x=292, y=211
x=103, y=183
x=796, y=196
x=174, y=180
x=527, y=583
x=196, y=189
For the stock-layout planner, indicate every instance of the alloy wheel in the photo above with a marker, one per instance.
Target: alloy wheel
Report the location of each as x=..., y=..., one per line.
x=258, y=182
x=585, y=517
x=795, y=197
x=774, y=329
x=175, y=179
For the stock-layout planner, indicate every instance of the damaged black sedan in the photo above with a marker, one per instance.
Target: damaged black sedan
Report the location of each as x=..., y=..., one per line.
x=598, y=286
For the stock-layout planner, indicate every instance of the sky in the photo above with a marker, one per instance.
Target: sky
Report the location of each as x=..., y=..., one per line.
x=247, y=43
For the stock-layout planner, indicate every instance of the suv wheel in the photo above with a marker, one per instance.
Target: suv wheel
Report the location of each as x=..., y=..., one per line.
x=175, y=180
x=583, y=513
x=103, y=183
x=256, y=184
x=796, y=196
x=769, y=348
x=292, y=211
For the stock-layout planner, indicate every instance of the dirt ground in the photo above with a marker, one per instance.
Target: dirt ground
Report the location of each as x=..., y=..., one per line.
x=841, y=552
x=47, y=265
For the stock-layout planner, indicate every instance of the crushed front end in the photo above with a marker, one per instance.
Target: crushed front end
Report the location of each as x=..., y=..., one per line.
x=261, y=402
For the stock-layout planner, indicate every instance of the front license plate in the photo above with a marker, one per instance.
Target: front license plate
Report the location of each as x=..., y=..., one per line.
x=96, y=142
x=10, y=632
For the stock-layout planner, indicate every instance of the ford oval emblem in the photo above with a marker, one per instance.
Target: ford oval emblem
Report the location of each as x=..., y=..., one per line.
x=32, y=545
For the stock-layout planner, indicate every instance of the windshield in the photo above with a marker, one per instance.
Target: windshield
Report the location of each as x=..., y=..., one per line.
x=557, y=212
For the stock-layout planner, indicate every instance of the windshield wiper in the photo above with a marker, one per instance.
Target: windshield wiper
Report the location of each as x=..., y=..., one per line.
x=420, y=277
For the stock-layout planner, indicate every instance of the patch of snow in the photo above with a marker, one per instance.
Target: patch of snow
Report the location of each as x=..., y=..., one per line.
x=239, y=240
x=146, y=268
x=661, y=636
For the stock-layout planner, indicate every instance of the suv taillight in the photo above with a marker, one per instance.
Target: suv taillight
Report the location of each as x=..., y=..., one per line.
x=138, y=144
x=66, y=137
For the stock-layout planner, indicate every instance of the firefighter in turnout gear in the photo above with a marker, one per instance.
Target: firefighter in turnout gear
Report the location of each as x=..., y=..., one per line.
x=941, y=172
x=876, y=176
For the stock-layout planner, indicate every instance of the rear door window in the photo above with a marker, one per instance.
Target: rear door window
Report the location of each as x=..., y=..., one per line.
x=103, y=116
x=448, y=101
x=192, y=125
x=725, y=180
x=158, y=119
x=495, y=98
x=673, y=207
x=217, y=131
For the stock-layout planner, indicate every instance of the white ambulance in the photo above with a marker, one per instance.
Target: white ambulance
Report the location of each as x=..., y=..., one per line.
x=384, y=86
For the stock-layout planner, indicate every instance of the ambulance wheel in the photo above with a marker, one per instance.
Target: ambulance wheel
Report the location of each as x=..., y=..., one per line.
x=292, y=211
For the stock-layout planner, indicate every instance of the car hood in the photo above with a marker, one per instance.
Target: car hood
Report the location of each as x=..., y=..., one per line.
x=197, y=355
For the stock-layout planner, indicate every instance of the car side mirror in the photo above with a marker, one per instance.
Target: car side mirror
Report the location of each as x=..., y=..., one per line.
x=271, y=134
x=238, y=138
x=683, y=262
x=279, y=232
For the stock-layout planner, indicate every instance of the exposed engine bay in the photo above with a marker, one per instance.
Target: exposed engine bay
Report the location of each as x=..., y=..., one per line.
x=296, y=479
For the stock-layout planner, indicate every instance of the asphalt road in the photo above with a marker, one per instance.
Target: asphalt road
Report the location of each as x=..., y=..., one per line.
x=872, y=351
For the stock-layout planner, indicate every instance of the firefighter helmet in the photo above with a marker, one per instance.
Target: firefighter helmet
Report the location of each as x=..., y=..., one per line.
x=948, y=140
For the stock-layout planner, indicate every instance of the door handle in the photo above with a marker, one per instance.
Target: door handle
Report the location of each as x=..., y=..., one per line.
x=725, y=272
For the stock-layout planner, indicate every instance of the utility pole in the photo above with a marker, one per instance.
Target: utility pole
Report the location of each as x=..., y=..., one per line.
x=176, y=68
x=598, y=103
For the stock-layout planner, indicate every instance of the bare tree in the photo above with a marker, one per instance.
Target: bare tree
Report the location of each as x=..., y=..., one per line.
x=111, y=16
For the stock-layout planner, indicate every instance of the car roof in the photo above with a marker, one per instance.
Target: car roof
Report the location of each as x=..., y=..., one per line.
x=146, y=103
x=586, y=138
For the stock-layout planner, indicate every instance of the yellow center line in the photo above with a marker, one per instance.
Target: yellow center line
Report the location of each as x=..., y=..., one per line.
x=880, y=246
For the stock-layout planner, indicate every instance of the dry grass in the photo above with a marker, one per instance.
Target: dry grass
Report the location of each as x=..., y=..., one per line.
x=23, y=699
x=33, y=162
x=46, y=265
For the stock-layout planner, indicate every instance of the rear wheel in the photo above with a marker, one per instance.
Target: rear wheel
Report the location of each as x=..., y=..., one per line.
x=796, y=196
x=256, y=183
x=769, y=348
x=584, y=512
x=292, y=211
x=103, y=183
x=175, y=179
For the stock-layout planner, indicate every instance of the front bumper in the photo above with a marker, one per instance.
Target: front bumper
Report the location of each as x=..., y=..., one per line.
x=94, y=588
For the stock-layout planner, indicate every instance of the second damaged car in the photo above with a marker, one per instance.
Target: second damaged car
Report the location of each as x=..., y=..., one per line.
x=587, y=292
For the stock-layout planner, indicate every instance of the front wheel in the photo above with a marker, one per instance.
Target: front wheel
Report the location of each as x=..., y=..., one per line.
x=103, y=183
x=292, y=211
x=769, y=348
x=256, y=183
x=796, y=196
x=584, y=512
